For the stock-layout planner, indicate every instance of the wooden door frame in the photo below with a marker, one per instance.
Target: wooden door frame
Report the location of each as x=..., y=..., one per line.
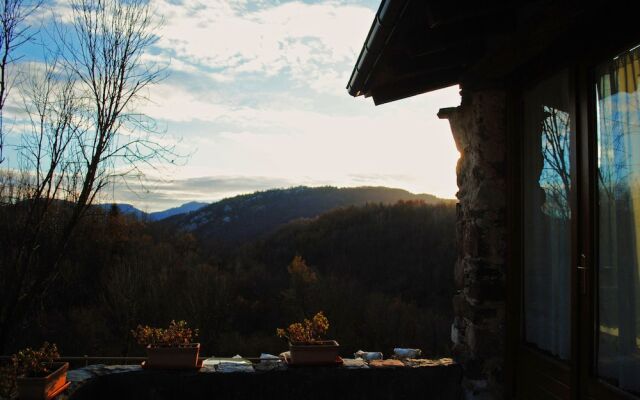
x=525, y=364
x=520, y=358
x=591, y=386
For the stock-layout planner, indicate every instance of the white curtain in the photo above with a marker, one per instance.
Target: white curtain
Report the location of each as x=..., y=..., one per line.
x=547, y=215
x=618, y=117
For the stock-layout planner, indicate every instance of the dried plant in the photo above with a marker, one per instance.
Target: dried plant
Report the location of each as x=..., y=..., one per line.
x=35, y=362
x=27, y=362
x=307, y=331
x=177, y=334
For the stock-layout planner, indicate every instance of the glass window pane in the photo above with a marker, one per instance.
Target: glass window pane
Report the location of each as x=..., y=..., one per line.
x=546, y=180
x=618, y=128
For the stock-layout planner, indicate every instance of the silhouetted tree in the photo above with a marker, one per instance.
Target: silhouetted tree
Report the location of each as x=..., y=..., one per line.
x=86, y=131
x=14, y=32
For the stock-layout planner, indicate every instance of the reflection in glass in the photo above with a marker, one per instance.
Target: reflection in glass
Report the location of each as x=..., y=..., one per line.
x=546, y=227
x=618, y=124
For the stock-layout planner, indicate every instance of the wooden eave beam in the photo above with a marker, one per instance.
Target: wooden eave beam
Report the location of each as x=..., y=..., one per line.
x=442, y=14
x=459, y=56
x=428, y=41
x=415, y=85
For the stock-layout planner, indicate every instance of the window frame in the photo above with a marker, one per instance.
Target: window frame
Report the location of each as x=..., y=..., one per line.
x=522, y=362
x=592, y=385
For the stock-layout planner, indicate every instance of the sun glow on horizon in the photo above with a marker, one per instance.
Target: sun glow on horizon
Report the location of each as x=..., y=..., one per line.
x=256, y=93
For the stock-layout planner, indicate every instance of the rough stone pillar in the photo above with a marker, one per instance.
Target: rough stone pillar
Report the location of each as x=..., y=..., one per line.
x=478, y=331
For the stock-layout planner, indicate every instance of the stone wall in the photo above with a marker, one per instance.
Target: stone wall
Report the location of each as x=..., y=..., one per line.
x=478, y=331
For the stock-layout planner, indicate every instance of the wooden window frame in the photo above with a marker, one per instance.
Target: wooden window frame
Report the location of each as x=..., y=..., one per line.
x=521, y=361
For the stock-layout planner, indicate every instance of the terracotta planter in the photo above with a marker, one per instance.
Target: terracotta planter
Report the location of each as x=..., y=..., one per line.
x=183, y=357
x=319, y=353
x=45, y=387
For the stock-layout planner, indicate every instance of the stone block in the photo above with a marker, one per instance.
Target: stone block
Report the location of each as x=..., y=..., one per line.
x=485, y=291
x=483, y=342
x=460, y=306
x=470, y=239
x=458, y=274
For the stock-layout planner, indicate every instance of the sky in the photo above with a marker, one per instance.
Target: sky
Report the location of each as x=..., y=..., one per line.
x=255, y=96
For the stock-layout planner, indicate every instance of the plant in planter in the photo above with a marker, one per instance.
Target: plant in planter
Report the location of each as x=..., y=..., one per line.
x=306, y=343
x=38, y=376
x=169, y=348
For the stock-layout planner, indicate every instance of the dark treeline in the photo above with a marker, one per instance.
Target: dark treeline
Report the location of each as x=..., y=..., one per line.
x=382, y=274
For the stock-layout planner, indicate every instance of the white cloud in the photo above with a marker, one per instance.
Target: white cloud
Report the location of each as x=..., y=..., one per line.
x=402, y=141
x=256, y=89
x=310, y=43
x=154, y=193
x=172, y=102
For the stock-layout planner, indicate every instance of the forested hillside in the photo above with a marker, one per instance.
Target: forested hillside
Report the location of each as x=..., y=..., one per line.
x=382, y=274
x=246, y=217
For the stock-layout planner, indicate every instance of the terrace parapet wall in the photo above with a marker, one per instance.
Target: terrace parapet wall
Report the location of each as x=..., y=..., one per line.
x=420, y=379
x=478, y=330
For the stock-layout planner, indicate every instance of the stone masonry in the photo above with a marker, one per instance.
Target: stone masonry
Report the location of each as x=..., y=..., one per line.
x=478, y=331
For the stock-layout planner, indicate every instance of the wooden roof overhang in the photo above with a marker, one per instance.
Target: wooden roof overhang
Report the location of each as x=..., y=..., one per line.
x=416, y=46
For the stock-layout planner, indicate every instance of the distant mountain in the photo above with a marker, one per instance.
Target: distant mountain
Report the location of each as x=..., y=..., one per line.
x=183, y=209
x=250, y=216
x=124, y=209
x=154, y=216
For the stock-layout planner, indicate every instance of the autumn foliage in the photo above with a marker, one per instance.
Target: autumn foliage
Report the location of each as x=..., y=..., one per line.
x=35, y=362
x=177, y=334
x=307, y=331
x=27, y=362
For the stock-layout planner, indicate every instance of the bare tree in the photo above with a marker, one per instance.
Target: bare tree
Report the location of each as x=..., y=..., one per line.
x=614, y=164
x=555, y=175
x=49, y=150
x=14, y=32
x=86, y=132
x=106, y=53
x=47, y=157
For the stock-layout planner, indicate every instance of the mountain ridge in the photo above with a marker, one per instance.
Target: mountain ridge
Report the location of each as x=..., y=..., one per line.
x=130, y=209
x=249, y=216
x=182, y=209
